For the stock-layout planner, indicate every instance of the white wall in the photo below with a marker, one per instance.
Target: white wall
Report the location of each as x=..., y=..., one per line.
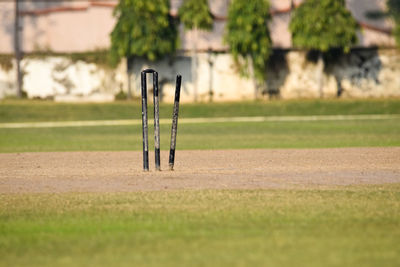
x=363, y=73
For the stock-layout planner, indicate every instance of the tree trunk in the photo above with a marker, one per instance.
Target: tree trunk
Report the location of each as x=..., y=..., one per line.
x=320, y=73
x=194, y=64
x=17, y=49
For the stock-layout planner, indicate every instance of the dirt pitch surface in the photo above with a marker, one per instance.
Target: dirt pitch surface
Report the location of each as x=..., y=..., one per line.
x=228, y=169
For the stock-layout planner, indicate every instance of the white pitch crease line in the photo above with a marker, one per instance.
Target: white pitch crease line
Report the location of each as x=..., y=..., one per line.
x=199, y=120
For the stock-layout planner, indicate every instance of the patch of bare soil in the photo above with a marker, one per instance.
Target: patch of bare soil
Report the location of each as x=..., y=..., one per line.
x=227, y=169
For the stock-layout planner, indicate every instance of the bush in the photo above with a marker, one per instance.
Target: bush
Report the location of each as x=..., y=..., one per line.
x=196, y=14
x=248, y=35
x=322, y=25
x=144, y=28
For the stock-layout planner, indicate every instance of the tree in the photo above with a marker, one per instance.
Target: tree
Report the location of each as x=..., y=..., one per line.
x=248, y=37
x=143, y=29
x=394, y=12
x=195, y=14
x=322, y=25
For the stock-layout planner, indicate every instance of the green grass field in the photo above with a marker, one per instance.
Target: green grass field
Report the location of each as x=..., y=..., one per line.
x=352, y=226
x=315, y=134
x=24, y=111
x=322, y=134
x=333, y=226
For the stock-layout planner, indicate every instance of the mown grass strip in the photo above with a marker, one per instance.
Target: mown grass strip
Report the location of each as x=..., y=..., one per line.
x=39, y=111
x=229, y=135
x=17, y=125
x=346, y=226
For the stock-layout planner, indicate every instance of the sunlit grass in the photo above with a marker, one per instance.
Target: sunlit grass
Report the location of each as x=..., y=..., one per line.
x=22, y=111
x=319, y=134
x=351, y=226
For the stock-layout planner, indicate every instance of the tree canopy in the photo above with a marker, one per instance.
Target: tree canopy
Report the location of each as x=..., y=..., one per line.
x=394, y=12
x=196, y=14
x=144, y=28
x=322, y=25
x=248, y=35
x=394, y=8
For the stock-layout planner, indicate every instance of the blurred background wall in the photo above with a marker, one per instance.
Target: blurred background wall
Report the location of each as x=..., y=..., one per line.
x=54, y=30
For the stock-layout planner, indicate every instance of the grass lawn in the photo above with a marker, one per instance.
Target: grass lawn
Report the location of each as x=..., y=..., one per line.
x=351, y=226
x=315, y=134
x=28, y=111
x=343, y=226
x=320, y=134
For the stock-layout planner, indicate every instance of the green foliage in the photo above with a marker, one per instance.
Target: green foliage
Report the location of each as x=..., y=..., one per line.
x=196, y=14
x=121, y=95
x=144, y=28
x=394, y=12
x=397, y=33
x=99, y=57
x=6, y=61
x=394, y=8
x=322, y=25
x=248, y=35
